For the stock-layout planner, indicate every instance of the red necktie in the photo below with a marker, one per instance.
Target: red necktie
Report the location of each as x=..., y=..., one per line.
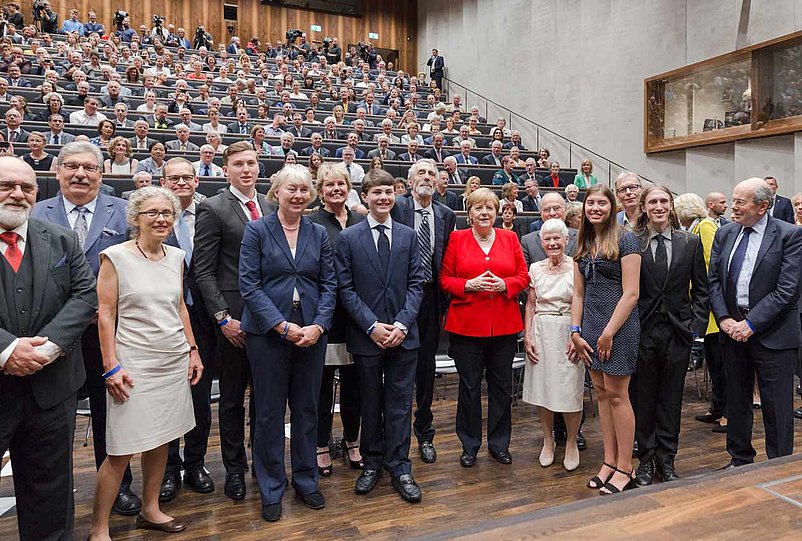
x=13, y=254
x=252, y=208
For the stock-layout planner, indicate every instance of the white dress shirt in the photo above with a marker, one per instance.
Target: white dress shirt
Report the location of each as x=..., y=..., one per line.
x=72, y=214
x=242, y=198
x=49, y=349
x=755, y=240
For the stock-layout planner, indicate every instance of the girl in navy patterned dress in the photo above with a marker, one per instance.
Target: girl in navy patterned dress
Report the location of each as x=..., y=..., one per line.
x=605, y=329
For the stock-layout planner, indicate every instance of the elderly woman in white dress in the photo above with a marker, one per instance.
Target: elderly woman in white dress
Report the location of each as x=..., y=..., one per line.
x=552, y=381
x=150, y=357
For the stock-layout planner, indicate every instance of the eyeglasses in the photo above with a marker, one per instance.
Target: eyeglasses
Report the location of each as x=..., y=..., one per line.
x=629, y=188
x=178, y=179
x=8, y=186
x=73, y=167
x=153, y=214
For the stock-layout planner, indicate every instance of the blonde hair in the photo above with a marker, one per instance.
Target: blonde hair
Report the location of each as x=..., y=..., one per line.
x=468, y=182
x=330, y=171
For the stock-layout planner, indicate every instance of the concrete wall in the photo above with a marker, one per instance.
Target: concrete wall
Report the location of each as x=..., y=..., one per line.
x=577, y=67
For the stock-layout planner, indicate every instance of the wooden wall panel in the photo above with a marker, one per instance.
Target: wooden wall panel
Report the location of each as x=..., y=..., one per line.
x=395, y=21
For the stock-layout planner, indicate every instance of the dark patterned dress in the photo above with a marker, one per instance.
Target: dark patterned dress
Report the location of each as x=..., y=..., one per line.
x=603, y=290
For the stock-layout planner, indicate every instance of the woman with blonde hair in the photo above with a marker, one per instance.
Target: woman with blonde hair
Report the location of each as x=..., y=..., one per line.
x=585, y=177
x=120, y=161
x=472, y=184
x=333, y=186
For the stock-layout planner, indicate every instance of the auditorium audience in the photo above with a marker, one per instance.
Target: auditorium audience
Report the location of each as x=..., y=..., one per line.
x=483, y=321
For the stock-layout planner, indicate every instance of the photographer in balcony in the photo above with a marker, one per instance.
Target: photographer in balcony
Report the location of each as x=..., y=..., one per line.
x=332, y=50
x=202, y=39
x=47, y=17
x=124, y=30
x=73, y=24
x=367, y=53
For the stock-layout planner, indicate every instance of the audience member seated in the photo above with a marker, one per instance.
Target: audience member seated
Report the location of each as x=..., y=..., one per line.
x=141, y=180
x=585, y=178
x=411, y=155
x=155, y=163
x=204, y=167
x=316, y=147
x=13, y=132
x=554, y=180
x=505, y=175
x=182, y=141
x=120, y=161
x=464, y=157
x=37, y=158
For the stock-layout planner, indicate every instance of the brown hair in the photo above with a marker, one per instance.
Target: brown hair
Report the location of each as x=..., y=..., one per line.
x=606, y=245
x=236, y=148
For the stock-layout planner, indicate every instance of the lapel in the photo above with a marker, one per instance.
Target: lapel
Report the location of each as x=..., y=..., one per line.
x=679, y=243
x=727, y=245
x=39, y=239
x=366, y=237
x=395, y=246
x=234, y=202
x=104, y=210
x=439, y=232
x=768, y=239
x=274, y=227
x=56, y=214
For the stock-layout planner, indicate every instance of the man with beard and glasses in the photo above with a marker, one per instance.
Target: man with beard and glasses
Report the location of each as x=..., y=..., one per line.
x=49, y=292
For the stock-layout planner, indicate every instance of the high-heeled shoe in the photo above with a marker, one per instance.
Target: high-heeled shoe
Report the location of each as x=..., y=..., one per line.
x=610, y=488
x=546, y=459
x=597, y=482
x=325, y=471
x=355, y=464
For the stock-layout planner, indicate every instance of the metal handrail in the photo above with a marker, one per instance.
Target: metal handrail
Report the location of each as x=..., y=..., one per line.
x=538, y=128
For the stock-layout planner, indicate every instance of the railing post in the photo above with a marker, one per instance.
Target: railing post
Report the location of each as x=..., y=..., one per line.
x=537, y=138
x=609, y=172
x=570, y=155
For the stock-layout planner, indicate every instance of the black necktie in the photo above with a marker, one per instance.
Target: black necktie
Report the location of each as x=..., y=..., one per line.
x=425, y=245
x=736, y=264
x=206, y=171
x=383, y=247
x=661, y=260
x=55, y=140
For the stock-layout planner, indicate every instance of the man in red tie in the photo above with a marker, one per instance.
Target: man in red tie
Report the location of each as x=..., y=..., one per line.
x=219, y=226
x=47, y=290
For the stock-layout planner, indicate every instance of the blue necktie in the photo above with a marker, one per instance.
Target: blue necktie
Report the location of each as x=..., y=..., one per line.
x=383, y=247
x=736, y=265
x=182, y=234
x=206, y=170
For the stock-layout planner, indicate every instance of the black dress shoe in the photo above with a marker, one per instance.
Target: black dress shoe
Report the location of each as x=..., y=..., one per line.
x=199, y=480
x=798, y=413
x=718, y=429
x=407, y=487
x=313, y=500
x=127, y=504
x=235, y=486
x=466, y=460
x=503, y=457
x=271, y=512
x=707, y=418
x=581, y=443
x=645, y=474
x=666, y=471
x=427, y=452
x=171, y=482
x=367, y=481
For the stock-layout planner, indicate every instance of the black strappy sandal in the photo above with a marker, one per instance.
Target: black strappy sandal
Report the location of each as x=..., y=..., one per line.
x=610, y=488
x=597, y=482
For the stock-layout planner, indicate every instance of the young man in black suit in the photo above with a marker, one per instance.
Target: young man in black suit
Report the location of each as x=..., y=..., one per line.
x=49, y=298
x=433, y=230
x=381, y=287
x=670, y=319
x=218, y=231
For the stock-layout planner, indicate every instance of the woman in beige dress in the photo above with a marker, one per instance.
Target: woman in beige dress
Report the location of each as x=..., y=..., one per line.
x=552, y=381
x=150, y=357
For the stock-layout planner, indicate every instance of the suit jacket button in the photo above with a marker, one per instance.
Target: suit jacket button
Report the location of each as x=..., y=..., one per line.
x=22, y=311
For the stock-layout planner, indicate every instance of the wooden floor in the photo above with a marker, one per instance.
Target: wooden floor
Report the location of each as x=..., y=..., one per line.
x=491, y=501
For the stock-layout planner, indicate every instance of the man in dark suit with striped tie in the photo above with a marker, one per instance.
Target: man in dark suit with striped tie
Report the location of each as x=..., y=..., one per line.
x=433, y=222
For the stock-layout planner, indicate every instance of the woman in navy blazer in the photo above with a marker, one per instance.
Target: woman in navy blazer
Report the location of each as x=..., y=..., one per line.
x=288, y=286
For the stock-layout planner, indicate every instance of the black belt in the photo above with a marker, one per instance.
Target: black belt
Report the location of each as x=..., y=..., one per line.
x=296, y=305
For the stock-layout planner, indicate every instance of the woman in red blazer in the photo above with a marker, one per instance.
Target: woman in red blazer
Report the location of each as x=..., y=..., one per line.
x=483, y=271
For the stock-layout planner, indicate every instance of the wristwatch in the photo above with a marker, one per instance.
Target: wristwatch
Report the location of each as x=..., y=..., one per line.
x=575, y=329
x=221, y=315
